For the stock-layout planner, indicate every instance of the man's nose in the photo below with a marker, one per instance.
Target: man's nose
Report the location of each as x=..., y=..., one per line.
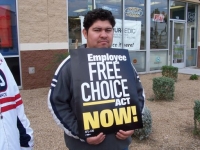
x=103, y=33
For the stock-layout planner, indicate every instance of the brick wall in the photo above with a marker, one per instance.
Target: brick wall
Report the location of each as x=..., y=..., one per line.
x=41, y=22
x=43, y=61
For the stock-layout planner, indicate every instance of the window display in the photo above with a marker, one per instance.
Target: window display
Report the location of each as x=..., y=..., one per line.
x=8, y=28
x=159, y=25
x=5, y=27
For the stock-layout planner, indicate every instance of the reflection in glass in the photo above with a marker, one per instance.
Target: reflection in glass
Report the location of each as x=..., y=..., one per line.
x=116, y=8
x=113, y=6
x=75, y=9
x=177, y=10
x=159, y=25
x=13, y=64
x=135, y=11
x=138, y=59
x=192, y=26
x=158, y=59
x=191, y=52
x=191, y=57
x=178, y=44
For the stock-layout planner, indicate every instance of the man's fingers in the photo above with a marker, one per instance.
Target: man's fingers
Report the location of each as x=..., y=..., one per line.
x=96, y=139
x=124, y=134
x=121, y=136
x=100, y=135
x=100, y=140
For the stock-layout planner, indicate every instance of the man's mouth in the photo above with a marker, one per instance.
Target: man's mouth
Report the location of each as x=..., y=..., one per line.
x=103, y=42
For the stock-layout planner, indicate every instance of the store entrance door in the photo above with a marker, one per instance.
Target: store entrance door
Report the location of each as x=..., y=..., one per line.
x=177, y=43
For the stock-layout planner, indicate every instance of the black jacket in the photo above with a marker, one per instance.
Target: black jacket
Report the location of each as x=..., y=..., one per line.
x=62, y=106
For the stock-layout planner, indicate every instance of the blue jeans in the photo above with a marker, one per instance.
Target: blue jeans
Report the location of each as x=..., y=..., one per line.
x=126, y=148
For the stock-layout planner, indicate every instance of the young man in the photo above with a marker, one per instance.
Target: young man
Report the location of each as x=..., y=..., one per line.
x=15, y=131
x=98, y=30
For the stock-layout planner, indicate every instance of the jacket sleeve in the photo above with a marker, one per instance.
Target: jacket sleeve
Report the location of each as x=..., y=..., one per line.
x=60, y=100
x=140, y=90
x=23, y=124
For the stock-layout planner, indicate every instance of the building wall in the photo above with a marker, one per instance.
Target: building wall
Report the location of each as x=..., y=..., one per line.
x=44, y=62
x=42, y=34
x=43, y=21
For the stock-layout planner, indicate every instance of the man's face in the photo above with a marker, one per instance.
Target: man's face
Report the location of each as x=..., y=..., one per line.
x=99, y=35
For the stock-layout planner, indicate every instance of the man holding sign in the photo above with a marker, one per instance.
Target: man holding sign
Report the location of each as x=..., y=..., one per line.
x=85, y=105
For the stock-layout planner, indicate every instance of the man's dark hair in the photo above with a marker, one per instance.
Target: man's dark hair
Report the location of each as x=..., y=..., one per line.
x=98, y=14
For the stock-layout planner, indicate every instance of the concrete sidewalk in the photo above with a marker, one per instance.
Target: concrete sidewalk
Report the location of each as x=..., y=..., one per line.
x=189, y=70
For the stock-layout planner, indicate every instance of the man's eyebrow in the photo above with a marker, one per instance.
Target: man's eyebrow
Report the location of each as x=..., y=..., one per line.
x=102, y=28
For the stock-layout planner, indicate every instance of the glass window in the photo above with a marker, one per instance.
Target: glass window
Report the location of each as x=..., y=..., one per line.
x=191, y=51
x=178, y=42
x=159, y=25
x=76, y=8
x=8, y=28
x=192, y=26
x=13, y=64
x=158, y=59
x=177, y=10
x=135, y=17
x=116, y=8
x=138, y=59
x=191, y=57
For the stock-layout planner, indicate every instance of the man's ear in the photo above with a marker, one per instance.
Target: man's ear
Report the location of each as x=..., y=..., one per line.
x=85, y=33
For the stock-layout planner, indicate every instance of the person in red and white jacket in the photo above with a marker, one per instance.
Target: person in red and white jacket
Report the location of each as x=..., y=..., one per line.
x=15, y=131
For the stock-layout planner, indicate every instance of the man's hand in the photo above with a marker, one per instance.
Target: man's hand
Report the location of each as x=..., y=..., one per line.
x=122, y=135
x=95, y=140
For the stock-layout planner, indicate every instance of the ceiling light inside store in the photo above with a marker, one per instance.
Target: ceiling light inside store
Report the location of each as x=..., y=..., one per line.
x=80, y=10
x=75, y=18
x=176, y=7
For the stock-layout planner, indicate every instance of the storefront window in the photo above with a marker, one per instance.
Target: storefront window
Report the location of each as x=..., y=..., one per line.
x=192, y=26
x=76, y=9
x=134, y=25
x=114, y=6
x=158, y=59
x=177, y=10
x=138, y=59
x=191, y=57
x=8, y=28
x=191, y=51
x=159, y=25
x=13, y=63
x=135, y=16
